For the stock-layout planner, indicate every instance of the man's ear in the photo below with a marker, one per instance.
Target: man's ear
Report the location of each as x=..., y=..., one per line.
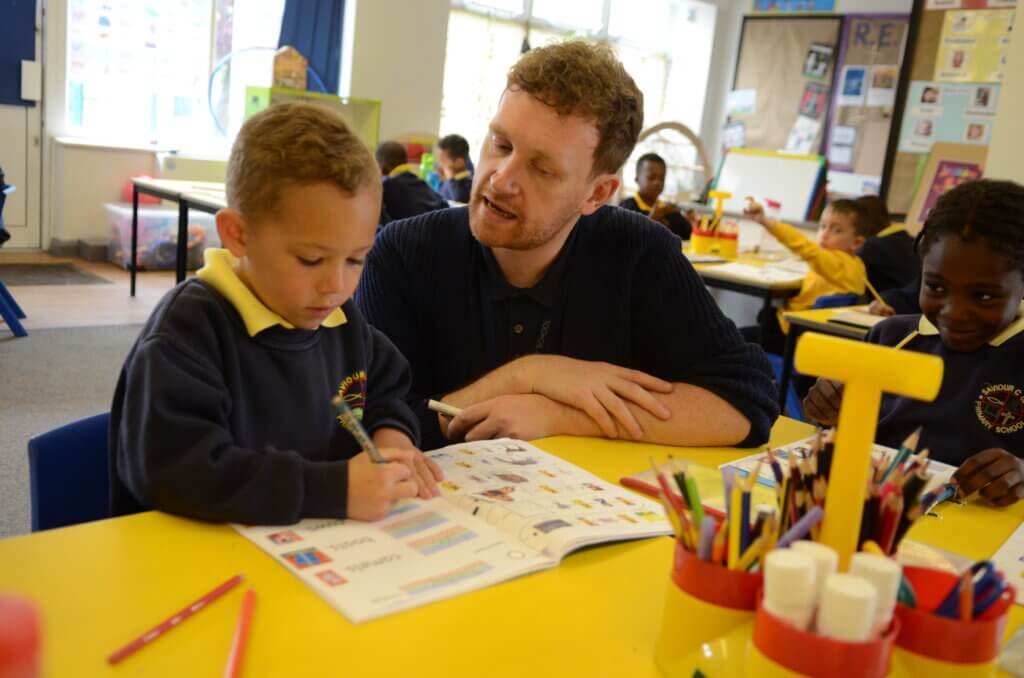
x=233, y=231
x=605, y=187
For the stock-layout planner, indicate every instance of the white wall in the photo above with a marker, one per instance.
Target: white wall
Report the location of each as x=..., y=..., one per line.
x=1007, y=149
x=398, y=53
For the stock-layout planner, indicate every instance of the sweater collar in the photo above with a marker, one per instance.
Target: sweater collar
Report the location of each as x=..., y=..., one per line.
x=927, y=329
x=891, y=230
x=407, y=167
x=219, y=271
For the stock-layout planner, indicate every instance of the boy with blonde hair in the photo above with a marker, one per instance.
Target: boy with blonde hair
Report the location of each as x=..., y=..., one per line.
x=223, y=408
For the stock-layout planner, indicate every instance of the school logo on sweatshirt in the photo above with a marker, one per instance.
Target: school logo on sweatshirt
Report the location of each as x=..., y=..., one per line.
x=1000, y=408
x=353, y=391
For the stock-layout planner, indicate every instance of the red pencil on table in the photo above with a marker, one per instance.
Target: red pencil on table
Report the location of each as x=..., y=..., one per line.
x=172, y=621
x=233, y=668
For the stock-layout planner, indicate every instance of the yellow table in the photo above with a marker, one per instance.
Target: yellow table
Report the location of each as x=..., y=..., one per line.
x=597, y=614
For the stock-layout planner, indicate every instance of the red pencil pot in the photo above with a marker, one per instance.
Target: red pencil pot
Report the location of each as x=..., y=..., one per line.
x=780, y=649
x=703, y=242
x=703, y=601
x=19, y=638
x=941, y=646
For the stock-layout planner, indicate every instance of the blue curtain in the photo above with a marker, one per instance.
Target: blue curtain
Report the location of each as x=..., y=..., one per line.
x=17, y=43
x=314, y=28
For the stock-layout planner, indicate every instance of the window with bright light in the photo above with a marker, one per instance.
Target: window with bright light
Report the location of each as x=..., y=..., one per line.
x=664, y=44
x=139, y=72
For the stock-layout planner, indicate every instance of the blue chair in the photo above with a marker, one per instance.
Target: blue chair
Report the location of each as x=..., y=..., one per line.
x=68, y=469
x=793, y=407
x=10, y=312
x=836, y=300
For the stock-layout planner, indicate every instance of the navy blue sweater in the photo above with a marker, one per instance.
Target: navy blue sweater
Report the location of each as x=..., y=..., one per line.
x=890, y=260
x=211, y=423
x=406, y=195
x=980, y=403
x=627, y=296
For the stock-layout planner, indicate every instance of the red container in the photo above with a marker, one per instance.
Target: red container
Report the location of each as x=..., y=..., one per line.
x=19, y=638
x=944, y=639
x=714, y=583
x=813, y=655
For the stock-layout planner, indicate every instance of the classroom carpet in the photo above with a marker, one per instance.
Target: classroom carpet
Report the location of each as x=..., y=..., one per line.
x=47, y=379
x=14, y=275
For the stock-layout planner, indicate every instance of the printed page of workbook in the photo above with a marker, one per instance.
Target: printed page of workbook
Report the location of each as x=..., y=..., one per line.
x=938, y=473
x=546, y=503
x=422, y=552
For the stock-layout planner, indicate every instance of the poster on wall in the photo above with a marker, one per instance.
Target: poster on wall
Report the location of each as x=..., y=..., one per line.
x=947, y=166
x=949, y=174
x=870, y=54
x=794, y=6
x=814, y=100
x=948, y=113
x=973, y=46
x=819, y=56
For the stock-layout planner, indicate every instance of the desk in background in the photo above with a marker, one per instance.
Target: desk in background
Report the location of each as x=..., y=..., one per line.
x=815, y=320
x=206, y=196
x=722, y=277
x=597, y=614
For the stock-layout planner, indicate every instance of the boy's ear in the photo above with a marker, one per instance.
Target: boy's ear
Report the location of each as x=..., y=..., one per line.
x=858, y=240
x=233, y=231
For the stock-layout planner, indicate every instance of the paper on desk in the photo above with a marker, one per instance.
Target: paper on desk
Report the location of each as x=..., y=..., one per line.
x=774, y=273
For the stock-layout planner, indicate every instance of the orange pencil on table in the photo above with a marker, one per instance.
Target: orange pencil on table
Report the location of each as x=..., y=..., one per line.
x=236, y=654
x=967, y=596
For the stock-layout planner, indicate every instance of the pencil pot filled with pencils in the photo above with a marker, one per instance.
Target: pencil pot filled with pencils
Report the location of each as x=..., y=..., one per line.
x=703, y=240
x=955, y=625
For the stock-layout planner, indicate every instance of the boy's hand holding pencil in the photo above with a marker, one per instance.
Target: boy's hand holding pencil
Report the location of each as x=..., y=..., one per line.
x=994, y=473
x=755, y=211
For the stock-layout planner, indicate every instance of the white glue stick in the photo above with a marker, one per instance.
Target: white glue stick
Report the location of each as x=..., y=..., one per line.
x=847, y=608
x=884, y=574
x=789, y=587
x=826, y=561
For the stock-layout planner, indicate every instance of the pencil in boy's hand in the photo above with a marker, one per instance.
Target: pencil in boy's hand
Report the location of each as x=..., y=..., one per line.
x=233, y=667
x=444, y=408
x=875, y=294
x=174, y=620
x=351, y=422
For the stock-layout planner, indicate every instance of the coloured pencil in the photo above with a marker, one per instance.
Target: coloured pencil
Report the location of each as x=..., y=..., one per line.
x=236, y=655
x=174, y=620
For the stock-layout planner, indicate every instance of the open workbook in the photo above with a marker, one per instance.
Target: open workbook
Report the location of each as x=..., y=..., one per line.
x=507, y=509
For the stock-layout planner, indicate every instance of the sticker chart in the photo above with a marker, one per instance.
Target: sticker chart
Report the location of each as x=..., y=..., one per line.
x=507, y=509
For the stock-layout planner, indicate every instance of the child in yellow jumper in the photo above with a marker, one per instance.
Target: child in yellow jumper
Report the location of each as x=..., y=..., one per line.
x=834, y=268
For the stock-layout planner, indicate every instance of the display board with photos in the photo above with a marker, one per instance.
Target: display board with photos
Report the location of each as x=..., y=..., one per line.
x=955, y=66
x=783, y=83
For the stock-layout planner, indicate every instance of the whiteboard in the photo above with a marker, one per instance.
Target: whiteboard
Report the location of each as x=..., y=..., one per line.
x=788, y=179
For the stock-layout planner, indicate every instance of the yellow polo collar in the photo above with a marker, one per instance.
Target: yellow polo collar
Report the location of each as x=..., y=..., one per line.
x=219, y=272
x=895, y=228
x=927, y=329
x=407, y=167
x=641, y=204
x=464, y=174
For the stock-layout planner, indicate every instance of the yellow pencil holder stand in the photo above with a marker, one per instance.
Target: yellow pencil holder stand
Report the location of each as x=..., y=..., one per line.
x=702, y=602
x=940, y=647
x=728, y=245
x=703, y=242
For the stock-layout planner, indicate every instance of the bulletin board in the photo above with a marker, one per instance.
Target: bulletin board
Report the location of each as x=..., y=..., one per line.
x=864, y=100
x=950, y=87
x=788, y=64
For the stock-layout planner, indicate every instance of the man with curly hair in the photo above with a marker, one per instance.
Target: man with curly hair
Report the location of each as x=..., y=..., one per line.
x=540, y=310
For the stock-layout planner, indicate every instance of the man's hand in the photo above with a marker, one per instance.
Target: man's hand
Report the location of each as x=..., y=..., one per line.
x=823, y=401
x=996, y=473
x=600, y=390
x=525, y=417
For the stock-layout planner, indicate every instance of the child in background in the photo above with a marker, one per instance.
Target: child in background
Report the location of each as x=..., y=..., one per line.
x=972, y=253
x=453, y=158
x=650, y=181
x=834, y=268
x=889, y=254
x=405, y=194
x=223, y=408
